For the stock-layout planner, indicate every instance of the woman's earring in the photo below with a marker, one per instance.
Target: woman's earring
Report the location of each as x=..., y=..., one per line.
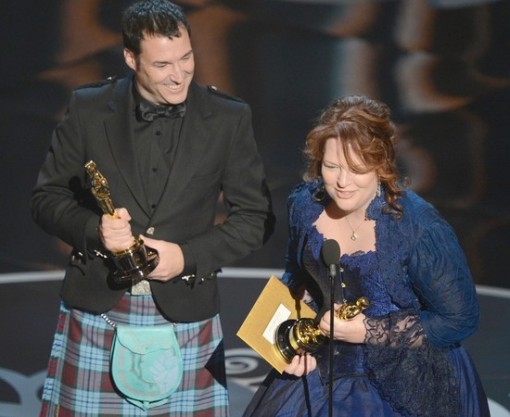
x=378, y=192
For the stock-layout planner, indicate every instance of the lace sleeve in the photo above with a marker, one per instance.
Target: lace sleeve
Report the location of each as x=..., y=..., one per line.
x=415, y=377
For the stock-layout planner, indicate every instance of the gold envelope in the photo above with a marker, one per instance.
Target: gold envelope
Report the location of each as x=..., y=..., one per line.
x=274, y=305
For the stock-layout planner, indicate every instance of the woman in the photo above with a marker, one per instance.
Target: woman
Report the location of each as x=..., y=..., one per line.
x=402, y=355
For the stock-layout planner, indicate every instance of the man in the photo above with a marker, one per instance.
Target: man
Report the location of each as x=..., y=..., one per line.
x=168, y=148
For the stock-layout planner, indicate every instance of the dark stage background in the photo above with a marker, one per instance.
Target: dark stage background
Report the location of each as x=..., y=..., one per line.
x=442, y=65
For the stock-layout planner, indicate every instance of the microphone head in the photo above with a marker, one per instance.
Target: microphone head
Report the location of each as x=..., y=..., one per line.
x=330, y=252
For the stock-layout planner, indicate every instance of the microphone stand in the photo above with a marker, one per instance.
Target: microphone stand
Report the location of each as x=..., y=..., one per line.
x=331, y=256
x=332, y=274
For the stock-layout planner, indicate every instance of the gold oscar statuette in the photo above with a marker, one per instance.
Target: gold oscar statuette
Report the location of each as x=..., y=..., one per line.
x=296, y=337
x=134, y=263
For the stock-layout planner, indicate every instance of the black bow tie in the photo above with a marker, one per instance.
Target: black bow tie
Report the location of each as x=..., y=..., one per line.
x=149, y=112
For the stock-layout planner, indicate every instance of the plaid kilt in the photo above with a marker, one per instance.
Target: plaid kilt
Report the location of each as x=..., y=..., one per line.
x=78, y=383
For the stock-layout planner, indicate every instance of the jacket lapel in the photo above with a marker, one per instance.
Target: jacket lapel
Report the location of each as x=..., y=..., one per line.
x=119, y=128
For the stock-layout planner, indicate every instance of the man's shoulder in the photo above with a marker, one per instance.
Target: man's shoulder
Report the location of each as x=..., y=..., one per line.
x=215, y=96
x=95, y=96
x=213, y=101
x=103, y=88
x=216, y=92
x=100, y=84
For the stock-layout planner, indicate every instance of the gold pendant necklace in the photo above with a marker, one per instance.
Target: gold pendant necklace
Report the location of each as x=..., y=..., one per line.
x=354, y=236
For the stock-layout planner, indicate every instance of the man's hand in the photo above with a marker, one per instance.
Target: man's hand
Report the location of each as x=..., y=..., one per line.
x=171, y=259
x=115, y=231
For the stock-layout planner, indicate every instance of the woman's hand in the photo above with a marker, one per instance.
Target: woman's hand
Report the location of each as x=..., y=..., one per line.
x=301, y=365
x=351, y=330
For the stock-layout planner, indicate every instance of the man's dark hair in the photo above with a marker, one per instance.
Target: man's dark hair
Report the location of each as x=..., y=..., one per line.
x=151, y=17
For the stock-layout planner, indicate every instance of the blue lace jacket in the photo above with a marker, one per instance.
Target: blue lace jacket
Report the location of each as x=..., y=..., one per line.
x=423, y=300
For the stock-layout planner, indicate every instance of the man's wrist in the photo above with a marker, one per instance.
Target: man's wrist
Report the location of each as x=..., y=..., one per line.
x=190, y=264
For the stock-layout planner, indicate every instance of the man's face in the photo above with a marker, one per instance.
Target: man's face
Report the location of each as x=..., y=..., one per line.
x=164, y=69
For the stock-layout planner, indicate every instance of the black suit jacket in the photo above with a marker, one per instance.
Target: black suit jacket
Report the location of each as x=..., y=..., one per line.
x=216, y=153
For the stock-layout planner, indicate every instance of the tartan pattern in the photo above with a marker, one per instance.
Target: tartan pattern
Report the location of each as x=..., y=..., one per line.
x=78, y=383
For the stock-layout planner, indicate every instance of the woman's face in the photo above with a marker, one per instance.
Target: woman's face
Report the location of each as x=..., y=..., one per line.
x=350, y=191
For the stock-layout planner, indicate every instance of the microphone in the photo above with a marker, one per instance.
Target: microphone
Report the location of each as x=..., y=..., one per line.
x=330, y=254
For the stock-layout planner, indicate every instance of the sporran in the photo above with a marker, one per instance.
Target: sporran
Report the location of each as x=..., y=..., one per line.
x=146, y=364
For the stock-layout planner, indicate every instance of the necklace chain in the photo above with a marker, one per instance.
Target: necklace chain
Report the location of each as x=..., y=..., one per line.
x=354, y=236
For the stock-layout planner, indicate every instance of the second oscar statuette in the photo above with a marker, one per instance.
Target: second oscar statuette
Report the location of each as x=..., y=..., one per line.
x=296, y=337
